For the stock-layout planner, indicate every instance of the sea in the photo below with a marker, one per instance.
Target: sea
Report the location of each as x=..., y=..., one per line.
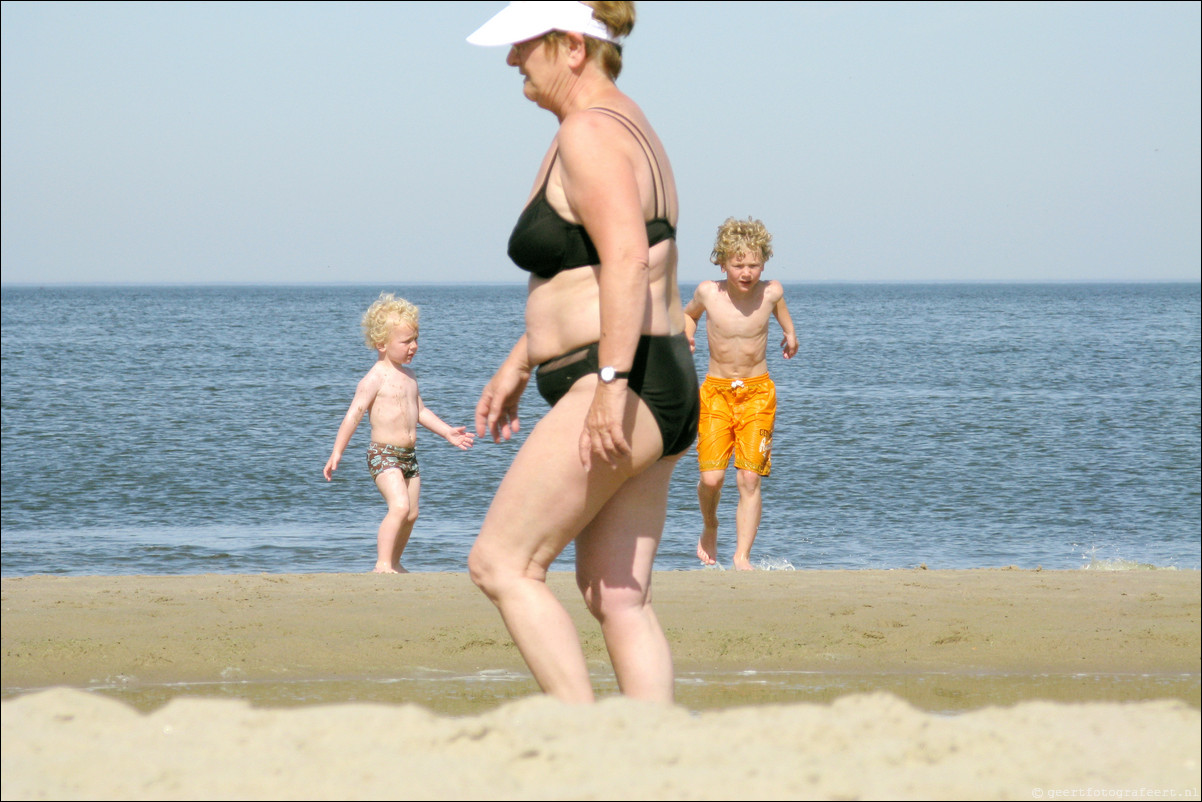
x=174, y=430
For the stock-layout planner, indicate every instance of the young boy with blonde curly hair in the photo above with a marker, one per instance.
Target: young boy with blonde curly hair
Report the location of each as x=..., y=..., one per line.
x=389, y=393
x=738, y=399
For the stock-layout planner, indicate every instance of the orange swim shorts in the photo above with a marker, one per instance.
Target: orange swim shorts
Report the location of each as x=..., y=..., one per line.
x=737, y=416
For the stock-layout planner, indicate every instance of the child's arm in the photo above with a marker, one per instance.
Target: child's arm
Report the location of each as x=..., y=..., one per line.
x=365, y=393
x=457, y=436
x=788, y=343
x=693, y=311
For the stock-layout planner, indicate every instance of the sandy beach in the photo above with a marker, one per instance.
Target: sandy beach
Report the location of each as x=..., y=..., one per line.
x=983, y=684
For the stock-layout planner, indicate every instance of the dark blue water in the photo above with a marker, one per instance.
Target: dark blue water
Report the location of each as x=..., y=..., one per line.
x=181, y=430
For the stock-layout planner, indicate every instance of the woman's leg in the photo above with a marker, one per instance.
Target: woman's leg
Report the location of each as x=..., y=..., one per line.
x=543, y=503
x=614, y=559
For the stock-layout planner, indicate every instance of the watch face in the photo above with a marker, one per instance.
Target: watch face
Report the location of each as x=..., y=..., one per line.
x=607, y=374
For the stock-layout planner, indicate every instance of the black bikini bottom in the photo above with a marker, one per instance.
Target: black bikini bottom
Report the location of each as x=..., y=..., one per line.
x=662, y=375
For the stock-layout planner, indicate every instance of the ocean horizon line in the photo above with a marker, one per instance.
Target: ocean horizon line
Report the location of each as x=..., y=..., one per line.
x=520, y=283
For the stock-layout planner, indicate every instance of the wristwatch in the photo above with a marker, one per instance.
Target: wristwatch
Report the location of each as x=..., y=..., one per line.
x=608, y=375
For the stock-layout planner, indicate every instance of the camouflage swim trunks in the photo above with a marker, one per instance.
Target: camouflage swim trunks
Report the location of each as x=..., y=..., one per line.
x=383, y=456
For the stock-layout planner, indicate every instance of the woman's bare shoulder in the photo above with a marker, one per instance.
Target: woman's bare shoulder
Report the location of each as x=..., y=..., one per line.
x=588, y=128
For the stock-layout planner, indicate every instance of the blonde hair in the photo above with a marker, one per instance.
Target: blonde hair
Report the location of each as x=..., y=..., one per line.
x=387, y=311
x=741, y=236
x=618, y=16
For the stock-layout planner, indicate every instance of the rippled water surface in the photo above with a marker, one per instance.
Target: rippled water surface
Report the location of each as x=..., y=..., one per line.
x=180, y=430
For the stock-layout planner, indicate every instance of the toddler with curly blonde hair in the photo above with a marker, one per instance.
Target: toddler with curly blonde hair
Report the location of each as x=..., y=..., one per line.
x=388, y=393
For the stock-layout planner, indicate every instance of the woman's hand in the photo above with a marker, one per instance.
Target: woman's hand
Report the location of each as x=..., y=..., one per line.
x=603, y=435
x=497, y=409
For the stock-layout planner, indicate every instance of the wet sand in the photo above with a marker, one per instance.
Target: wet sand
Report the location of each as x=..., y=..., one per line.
x=824, y=684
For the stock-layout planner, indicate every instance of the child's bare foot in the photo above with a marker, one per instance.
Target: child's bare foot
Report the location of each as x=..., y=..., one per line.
x=707, y=545
x=399, y=569
x=384, y=568
x=741, y=563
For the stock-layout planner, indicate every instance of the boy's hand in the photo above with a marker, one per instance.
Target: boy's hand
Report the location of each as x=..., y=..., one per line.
x=331, y=466
x=788, y=345
x=460, y=437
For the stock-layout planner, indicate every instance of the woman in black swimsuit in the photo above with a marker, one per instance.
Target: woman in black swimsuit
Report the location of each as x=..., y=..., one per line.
x=604, y=336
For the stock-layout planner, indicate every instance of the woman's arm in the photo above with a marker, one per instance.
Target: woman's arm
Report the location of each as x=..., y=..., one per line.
x=497, y=409
x=601, y=187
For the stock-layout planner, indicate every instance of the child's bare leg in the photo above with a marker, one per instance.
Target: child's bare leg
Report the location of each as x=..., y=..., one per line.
x=709, y=492
x=413, y=489
x=392, y=486
x=747, y=517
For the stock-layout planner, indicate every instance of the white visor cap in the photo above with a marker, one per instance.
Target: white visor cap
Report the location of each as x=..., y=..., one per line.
x=520, y=21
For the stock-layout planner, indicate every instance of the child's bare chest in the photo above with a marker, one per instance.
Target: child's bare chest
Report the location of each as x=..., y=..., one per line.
x=740, y=316
x=397, y=396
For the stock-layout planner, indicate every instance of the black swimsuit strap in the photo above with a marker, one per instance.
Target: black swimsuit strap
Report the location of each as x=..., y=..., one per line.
x=550, y=167
x=657, y=173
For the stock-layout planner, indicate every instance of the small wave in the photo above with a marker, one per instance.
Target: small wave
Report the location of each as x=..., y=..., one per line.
x=1096, y=563
x=761, y=564
x=1125, y=565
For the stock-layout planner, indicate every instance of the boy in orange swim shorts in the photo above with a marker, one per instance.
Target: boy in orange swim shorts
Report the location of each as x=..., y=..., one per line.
x=739, y=417
x=738, y=399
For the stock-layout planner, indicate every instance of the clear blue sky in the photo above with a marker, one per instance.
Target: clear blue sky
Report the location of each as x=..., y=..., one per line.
x=368, y=142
